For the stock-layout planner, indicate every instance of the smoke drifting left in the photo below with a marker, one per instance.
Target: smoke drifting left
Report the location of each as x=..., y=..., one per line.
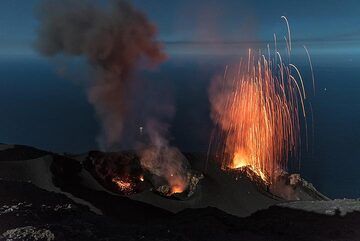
x=114, y=39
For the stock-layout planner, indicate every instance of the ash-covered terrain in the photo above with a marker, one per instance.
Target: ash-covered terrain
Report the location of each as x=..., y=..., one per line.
x=48, y=196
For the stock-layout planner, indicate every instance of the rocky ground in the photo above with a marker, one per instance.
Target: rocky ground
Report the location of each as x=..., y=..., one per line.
x=29, y=213
x=53, y=198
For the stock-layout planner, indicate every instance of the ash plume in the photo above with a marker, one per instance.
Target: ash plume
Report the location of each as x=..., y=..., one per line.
x=114, y=39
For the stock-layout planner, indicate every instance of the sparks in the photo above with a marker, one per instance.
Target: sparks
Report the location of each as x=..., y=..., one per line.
x=258, y=108
x=123, y=185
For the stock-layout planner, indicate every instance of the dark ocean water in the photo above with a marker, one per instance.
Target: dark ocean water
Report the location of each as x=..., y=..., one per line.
x=42, y=108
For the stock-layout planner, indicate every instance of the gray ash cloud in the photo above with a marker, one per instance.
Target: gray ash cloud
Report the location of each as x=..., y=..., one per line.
x=114, y=38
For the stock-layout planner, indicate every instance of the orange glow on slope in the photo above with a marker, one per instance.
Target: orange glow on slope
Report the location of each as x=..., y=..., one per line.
x=240, y=161
x=177, y=185
x=176, y=189
x=257, y=109
x=123, y=185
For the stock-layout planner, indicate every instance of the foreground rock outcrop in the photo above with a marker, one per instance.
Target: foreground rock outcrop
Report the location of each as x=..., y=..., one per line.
x=29, y=213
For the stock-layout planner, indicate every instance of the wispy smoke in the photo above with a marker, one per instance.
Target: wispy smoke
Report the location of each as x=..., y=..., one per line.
x=163, y=160
x=114, y=39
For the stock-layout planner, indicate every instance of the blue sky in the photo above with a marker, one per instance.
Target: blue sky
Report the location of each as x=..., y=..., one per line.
x=209, y=20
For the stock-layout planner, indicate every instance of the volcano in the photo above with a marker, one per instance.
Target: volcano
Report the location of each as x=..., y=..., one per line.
x=54, y=196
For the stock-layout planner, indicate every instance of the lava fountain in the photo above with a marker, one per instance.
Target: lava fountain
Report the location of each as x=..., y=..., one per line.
x=258, y=108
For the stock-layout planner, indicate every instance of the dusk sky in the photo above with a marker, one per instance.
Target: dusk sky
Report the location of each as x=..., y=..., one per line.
x=208, y=20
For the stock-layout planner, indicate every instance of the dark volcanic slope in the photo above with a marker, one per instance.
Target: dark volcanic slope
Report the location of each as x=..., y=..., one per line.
x=233, y=193
x=20, y=153
x=24, y=205
x=46, y=196
x=27, y=213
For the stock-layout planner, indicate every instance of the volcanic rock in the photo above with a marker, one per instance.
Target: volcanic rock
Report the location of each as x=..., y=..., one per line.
x=35, y=214
x=125, y=167
x=47, y=196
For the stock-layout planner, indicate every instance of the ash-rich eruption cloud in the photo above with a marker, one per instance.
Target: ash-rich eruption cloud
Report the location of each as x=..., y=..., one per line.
x=114, y=39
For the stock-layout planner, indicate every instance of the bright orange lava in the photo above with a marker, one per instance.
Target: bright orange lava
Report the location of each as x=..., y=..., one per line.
x=176, y=189
x=240, y=162
x=257, y=109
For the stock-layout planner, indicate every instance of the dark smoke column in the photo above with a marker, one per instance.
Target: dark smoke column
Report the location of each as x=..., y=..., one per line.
x=113, y=39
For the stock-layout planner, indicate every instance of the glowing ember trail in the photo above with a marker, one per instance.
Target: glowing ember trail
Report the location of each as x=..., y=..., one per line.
x=257, y=108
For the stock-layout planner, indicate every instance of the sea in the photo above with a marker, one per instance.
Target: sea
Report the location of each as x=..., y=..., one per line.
x=43, y=103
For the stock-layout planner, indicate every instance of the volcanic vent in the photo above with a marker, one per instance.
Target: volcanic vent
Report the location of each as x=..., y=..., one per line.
x=122, y=173
x=259, y=109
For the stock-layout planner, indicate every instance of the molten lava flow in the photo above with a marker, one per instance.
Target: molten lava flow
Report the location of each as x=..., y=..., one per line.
x=257, y=109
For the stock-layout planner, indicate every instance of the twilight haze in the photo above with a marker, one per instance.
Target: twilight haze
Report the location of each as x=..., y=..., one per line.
x=210, y=20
